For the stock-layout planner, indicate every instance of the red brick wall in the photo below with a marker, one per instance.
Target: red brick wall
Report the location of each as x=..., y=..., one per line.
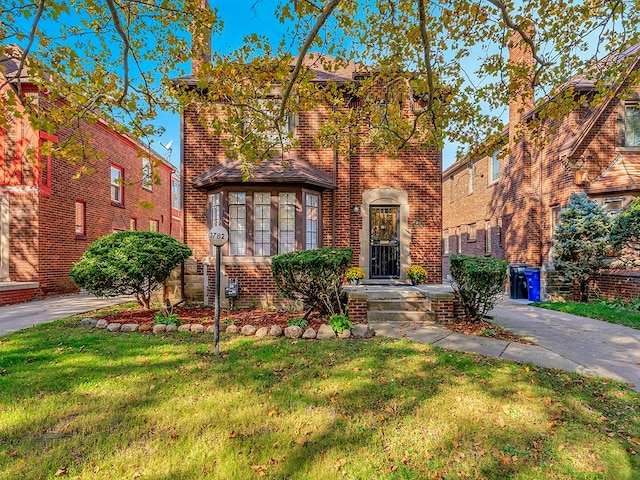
x=624, y=284
x=43, y=243
x=17, y=296
x=416, y=170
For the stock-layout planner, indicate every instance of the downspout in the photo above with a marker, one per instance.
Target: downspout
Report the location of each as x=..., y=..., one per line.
x=333, y=192
x=182, y=198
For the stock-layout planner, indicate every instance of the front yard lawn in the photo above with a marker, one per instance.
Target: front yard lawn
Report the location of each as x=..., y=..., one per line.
x=599, y=310
x=88, y=404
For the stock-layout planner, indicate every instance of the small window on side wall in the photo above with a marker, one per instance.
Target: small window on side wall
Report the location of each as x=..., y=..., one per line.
x=555, y=211
x=487, y=237
x=153, y=225
x=472, y=232
x=147, y=174
x=445, y=241
x=117, y=184
x=494, y=164
x=81, y=219
x=133, y=224
x=632, y=125
x=612, y=205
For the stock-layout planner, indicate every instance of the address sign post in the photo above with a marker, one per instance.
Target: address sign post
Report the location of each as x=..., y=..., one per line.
x=218, y=236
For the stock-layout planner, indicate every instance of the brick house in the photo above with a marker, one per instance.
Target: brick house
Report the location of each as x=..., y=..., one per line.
x=506, y=203
x=387, y=209
x=48, y=217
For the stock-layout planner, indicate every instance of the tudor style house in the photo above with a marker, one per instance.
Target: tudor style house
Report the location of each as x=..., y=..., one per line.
x=48, y=217
x=506, y=203
x=388, y=210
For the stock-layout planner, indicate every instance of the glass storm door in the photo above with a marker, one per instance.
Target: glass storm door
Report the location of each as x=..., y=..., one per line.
x=385, y=243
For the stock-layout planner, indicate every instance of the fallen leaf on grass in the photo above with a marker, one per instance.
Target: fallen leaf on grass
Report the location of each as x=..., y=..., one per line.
x=340, y=463
x=61, y=471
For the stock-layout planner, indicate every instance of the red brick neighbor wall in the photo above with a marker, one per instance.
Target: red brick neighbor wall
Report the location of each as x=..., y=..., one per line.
x=622, y=284
x=8, y=297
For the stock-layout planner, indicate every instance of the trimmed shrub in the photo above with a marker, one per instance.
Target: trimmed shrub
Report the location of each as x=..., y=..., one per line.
x=477, y=283
x=313, y=277
x=128, y=263
x=625, y=235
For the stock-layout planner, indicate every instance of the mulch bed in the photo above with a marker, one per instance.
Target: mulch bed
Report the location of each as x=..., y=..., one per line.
x=259, y=317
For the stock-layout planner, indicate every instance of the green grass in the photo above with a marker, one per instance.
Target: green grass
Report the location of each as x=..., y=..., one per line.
x=93, y=405
x=598, y=310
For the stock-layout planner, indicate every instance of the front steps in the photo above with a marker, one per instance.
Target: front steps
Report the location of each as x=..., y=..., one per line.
x=398, y=303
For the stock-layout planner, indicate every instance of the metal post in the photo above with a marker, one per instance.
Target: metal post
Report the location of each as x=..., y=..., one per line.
x=216, y=332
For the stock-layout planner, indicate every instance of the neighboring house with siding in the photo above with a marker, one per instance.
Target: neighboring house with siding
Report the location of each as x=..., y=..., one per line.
x=48, y=217
x=506, y=203
x=387, y=209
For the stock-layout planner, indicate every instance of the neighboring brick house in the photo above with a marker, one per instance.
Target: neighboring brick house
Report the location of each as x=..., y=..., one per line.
x=506, y=204
x=48, y=217
x=387, y=209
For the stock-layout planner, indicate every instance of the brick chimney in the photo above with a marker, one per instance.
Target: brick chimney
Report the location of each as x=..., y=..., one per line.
x=521, y=70
x=201, y=41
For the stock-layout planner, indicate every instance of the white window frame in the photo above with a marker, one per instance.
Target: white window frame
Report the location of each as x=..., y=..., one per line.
x=176, y=202
x=154, y=226
x=147, y=174
x=237, y=208
x=459, y=240
x=261, y=224
x=607, y=202
x=471, y=173
x=286, y=222
x=633, y=141
x=553, y=218
x=117, y=184
x=445, y=240
x=494, y=167
x=472, y=232
x=215, y=206
x=312, y=220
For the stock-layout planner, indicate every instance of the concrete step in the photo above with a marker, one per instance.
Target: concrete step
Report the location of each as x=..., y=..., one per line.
x=399, y=316
x=398, y=304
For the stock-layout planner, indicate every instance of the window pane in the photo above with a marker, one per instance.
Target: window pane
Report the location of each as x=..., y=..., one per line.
x=287, y=223
x=262, y=224
x=445, y=240
x=632, y=126
x=153, y=226
x=495, y=167
x=487, y=231
x=147, y=174
x=237, y=224
x=311, y=215
x=216, y=216
x=80, y=218
x=116, y=185
x=175, y=194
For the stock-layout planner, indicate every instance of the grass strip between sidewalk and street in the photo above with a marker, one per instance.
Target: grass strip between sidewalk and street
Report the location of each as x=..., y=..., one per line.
x=597, y=310
x=88, y=404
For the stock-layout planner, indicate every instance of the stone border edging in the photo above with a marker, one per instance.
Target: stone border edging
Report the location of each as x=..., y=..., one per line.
x=360, y=330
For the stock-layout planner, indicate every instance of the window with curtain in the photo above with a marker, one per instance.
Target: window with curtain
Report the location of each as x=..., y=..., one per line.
x=237, y=223
x=286, y=222
x=312, y=204
x=262, y=224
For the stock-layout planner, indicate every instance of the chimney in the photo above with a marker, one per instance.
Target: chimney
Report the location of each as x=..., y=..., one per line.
x=521, y=70
x=201, y=38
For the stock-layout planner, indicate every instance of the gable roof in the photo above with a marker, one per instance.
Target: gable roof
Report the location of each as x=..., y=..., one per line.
x=270, y=171
x=623, y=174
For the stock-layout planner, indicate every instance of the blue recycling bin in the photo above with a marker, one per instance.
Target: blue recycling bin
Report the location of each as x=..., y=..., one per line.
x=533, y=283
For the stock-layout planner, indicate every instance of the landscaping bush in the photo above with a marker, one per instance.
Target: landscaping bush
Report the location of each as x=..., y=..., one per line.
x=477, y=283
x=340, y=323
x=128, y=263
x=314, y=277
x=582, y=240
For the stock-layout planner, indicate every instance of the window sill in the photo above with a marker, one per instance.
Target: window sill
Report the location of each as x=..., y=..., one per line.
x=117, y=204
x=81, y=237
x=472, y=240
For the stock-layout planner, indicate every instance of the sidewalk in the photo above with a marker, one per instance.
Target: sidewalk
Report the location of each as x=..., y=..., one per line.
x=24, y=315
x=564, y=341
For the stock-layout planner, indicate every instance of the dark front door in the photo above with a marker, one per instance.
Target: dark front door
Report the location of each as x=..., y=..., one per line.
x=385, y=243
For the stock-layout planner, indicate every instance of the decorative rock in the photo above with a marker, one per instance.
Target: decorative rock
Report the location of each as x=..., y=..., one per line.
x=293, y=332
x=185, y=328
x=262, y=332
x=309, y=334
x=88, y=322
x=102, y=323
x=275, y=331
x=232, y=329
x=197, y=328
x=159, y=329
x=248, y=330
x=346, y=333
x=172, y=327
x=212, y=328
x=129, y=327
x=361, y=330
x=145, y=328
x=113, y=327
x=325, y=331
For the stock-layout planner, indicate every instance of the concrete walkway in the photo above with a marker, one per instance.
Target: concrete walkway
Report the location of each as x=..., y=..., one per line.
x=563, y=341
x=24, y=315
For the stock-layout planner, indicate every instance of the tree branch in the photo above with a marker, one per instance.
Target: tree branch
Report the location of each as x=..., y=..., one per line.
x=27, y=48
x=125, y=52
x=311, y=36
